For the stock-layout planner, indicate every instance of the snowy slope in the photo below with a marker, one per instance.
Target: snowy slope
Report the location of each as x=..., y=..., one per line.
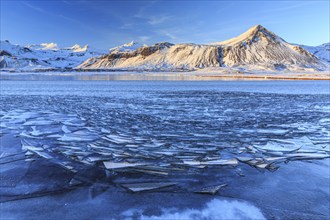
x=159, y=56
x=261, y=48
x=43, y=56
x=257, y=48
x=129, y=47
x=322, y=51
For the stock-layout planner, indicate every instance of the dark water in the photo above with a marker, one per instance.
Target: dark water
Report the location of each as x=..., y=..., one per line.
x=193, y=134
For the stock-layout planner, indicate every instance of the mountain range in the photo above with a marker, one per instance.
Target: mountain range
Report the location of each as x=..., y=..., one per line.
x=256, y=49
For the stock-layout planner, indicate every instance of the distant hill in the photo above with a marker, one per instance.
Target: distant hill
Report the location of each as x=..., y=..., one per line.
x=43, y=56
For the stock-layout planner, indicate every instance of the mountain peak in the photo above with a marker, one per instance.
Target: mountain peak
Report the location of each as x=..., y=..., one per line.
x=258, y=27
x=131, y=43
x=253, y=34
x=128, y=47
x=78, y=48
x=256, y=30
x=49, y=46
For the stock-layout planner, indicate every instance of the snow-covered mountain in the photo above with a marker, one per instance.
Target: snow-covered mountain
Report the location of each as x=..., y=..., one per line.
x=261, y=48
x=159, y=56
x=43, y=56
x=322, y=51
x=257, y=48
x=126, y=47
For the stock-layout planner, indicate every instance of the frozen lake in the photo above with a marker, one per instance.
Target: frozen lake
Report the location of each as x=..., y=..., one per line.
x=158, y=149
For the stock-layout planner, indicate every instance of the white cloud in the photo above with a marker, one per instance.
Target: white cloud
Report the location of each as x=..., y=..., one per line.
x=170, y=33
x=153, y=20
x=35, y=7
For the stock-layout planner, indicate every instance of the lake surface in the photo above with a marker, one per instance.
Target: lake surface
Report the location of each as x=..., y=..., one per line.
x=73, y=149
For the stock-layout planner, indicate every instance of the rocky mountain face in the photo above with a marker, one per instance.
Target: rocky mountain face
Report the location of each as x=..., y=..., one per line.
x=43, y=56
x=159, y=56
x=256, y=49
x=260, y=48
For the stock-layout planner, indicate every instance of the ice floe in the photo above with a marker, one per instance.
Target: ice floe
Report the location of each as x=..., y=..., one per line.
x=140, y=187
x=66, y=140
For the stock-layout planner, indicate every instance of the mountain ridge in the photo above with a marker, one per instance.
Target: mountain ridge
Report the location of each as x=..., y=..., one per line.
x=256, y=49
x=43, y=56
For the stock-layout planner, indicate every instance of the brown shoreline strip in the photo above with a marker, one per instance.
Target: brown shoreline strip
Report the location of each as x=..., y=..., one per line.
x=266, y=77
x=157, y=77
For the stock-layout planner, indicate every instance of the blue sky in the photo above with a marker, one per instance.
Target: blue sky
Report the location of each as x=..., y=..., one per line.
x=104, y=24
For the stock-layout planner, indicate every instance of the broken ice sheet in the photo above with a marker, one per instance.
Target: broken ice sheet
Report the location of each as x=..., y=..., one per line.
x=157, y=150
x=44, y=130
x=36, y=122
x=308, y=156
x=65, y=129
x=272, y=131
x=278, y=147
x=152, y=170
x=118, y=139
x=81, y=135
x=74, y=122
x=141, y=187
x=212, y=190
x=117, y=165
x=232, y=161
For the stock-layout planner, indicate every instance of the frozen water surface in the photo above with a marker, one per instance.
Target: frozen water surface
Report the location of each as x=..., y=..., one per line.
x=166, y=150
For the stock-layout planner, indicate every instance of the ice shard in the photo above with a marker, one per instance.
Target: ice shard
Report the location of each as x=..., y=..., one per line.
x=212, y=190
x=141, y=187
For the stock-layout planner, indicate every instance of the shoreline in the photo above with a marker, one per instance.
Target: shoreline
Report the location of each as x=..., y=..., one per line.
x=156, y=76
x=267, y=77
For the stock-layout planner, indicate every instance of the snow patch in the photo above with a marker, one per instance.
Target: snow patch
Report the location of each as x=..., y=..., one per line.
x=215, y=209
x=129, y=47
x=322, y=51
